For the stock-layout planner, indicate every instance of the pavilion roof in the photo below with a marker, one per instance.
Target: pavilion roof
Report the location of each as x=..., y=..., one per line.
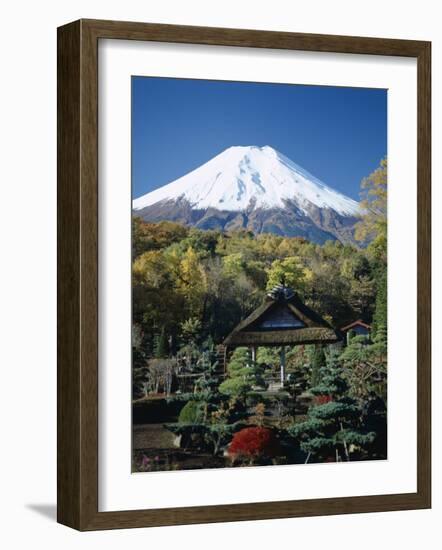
x=282, y=319
x=357, y=323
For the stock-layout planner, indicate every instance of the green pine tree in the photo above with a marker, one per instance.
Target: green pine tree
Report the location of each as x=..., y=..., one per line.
x=332, y=430
x=364, y=360
x=161, y=345
x=190, y=330
x=209, y=419
x=317, y=362
x=380, y=313
x=243, y=374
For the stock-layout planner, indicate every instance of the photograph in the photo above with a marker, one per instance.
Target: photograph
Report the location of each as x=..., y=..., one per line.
x=219, y=252
x=259, y=274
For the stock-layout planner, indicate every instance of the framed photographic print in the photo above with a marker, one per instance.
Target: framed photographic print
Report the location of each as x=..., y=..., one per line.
x=244, y=326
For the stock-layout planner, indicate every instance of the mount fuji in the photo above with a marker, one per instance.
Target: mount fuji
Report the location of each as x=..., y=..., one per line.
x=255, y=188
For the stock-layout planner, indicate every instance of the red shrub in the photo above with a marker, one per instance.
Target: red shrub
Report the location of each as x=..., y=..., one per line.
x=322, y=399
x=253, y=442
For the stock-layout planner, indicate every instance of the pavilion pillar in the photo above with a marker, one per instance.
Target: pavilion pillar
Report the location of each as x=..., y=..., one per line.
x=282, y=364
x=253, y=349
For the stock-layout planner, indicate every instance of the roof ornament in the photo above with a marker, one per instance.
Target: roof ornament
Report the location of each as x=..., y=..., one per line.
x=281, y=291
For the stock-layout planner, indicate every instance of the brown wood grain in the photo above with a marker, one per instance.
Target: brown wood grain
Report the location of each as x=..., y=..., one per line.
x=424, y=274
x=77, y=223
x=68, y=276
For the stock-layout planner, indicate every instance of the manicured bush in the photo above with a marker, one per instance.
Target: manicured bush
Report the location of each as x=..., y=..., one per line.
x=234, y=387
x=253, y=443
x=243, y=374
x=192, y=413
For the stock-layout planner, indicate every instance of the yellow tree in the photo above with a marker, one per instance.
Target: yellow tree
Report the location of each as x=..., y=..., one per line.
x=373, y=225
x=150, y=269
x=289, y=270
x=192, y=282
x=233, y=265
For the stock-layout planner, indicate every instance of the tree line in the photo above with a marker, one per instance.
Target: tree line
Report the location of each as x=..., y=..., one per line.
x=189, y=283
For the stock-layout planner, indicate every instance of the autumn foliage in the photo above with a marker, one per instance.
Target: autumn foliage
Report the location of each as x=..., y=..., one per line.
x=253, y=442
x=322, y=399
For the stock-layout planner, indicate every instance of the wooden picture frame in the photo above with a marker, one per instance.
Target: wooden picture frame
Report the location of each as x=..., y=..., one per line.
x=78, y=274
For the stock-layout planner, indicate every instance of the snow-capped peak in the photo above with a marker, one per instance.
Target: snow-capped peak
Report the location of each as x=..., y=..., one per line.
x=243, y=177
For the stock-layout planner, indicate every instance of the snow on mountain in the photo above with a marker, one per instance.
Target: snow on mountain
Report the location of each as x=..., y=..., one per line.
x=241, y=178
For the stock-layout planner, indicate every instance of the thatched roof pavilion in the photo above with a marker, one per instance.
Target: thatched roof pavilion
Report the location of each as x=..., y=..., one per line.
x=282, y=320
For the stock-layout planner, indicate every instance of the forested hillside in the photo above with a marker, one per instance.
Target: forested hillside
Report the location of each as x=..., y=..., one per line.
x=209, y=280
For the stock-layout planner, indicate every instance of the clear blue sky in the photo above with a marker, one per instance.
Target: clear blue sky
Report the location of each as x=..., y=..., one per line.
x=337, y=134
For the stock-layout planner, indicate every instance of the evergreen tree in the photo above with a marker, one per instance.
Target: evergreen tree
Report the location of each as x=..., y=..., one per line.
x=317, y=362
x=243, y=374
x=190, y=330
x=209, y=419
x=365, y=366
x=161, y=345
x=209, y=379
x=333, y=429
x=380, y=313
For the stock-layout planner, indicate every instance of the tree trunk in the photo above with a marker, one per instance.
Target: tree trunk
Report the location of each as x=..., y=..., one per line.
x=282, y=364
x=347, y=455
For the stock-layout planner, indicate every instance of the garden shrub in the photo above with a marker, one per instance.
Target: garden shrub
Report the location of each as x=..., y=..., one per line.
x=192, y=413
x=234, y=387
x=254, y=443
x=322, y=399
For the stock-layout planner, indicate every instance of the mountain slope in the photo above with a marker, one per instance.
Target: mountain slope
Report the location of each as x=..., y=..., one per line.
x=256, y=188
